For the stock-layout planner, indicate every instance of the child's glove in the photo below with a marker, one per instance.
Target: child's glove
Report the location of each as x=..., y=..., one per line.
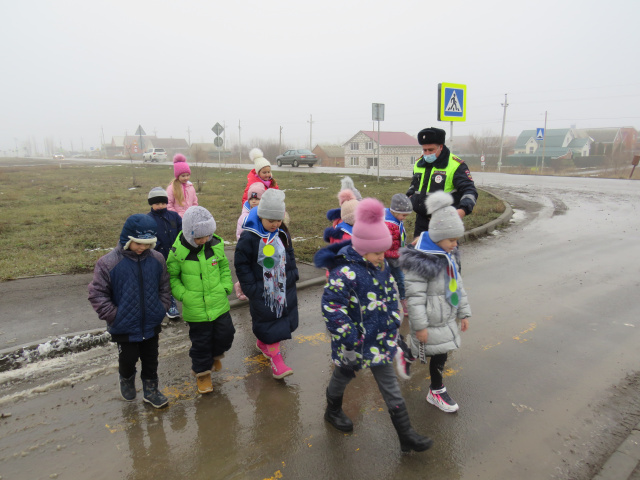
x=238, y=290
x=349, y=362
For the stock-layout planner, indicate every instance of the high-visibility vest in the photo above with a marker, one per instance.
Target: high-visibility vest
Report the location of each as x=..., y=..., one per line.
x=452, y=165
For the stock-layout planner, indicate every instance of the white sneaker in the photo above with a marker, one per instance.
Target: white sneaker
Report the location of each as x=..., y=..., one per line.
x=441, y=399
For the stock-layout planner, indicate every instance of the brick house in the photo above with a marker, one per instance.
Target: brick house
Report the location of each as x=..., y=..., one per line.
x=330, y=155
x=398, y=150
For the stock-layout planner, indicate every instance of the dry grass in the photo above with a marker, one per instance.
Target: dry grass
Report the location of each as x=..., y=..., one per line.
x=61, y=220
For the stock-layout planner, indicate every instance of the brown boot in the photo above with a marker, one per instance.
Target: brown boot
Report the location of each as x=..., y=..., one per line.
x=204, y=382
x=217, y=364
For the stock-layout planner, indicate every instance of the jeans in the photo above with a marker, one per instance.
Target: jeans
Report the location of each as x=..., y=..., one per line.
x=385, y=378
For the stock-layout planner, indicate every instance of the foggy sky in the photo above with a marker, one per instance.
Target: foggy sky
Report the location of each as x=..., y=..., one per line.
x=74, y=69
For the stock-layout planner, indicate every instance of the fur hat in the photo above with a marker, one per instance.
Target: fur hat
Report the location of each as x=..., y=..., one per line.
x=180, y=165
x=445, y=221
x=256, y=190
x=157, y=195
x=258, y=160
x=431, y=135
x=271, y=206
x=347, y=184
x=400, y=203
x=348, y=207
x=370, y=232
x=139, y=228
x=197, y=223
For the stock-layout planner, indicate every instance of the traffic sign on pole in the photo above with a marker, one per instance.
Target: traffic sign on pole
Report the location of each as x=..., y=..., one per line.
x=452, y=102
x=217, y=129
x=218, y=141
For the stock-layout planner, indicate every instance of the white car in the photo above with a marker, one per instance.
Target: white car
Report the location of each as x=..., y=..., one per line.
x=154, y=155
x=58, y=156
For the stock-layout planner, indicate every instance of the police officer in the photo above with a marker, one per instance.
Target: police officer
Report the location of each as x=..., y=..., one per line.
x=439, y=169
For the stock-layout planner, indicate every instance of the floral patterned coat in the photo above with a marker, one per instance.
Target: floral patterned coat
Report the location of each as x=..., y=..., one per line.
x=359, y=305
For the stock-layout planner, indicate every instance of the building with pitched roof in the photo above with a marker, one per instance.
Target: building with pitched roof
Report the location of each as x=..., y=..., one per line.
x=397, y=150
x=330, y=155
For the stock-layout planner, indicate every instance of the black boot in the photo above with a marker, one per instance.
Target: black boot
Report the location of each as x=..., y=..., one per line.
x=409, y=438
x=335, y=416
x=128, y=388
x=152, y=395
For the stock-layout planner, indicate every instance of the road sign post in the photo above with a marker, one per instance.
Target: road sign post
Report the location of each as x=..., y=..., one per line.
x=377, y=114
x=218, y=141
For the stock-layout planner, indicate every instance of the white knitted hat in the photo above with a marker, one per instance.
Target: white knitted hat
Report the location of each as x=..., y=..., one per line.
x=258, y=159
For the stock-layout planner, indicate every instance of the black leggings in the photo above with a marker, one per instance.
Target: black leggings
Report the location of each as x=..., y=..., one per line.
x=146, y=351
x=436, y=367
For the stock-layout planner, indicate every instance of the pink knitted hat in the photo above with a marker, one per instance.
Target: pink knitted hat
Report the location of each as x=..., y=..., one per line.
x=180, y=165
x=258, y=188
x=370, y=232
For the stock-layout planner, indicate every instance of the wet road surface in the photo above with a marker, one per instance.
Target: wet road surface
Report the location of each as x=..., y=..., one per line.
x=554, y=330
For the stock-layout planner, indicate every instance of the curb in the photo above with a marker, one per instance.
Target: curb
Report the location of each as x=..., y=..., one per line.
x=492, y=225
x=624, y=460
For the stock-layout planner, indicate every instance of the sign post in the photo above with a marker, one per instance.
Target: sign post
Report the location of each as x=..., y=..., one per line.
x=218, y=141
x=377, y=114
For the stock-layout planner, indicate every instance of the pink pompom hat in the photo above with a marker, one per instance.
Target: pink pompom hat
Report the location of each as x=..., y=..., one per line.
x=180, y=165
x=370, y=232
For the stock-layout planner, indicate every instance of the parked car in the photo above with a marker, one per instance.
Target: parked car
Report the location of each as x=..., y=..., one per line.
x=154, y=155
x=297, y=158
x=58, y=156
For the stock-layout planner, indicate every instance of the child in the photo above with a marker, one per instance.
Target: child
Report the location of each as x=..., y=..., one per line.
x=168, y=225
x=130, y=290
x=333, y=215
x=359, y=306
x=435, y=295
x=254, y=195
x=394, y=217
x=201, y=280
x=261, y=173
x=266, y=268
x=343, y=230
x=181, y=193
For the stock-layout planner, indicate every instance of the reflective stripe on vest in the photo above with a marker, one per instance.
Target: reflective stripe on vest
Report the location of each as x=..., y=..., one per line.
x=449, y=170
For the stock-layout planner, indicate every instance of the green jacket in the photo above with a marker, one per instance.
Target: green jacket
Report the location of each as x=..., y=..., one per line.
x=200, y=279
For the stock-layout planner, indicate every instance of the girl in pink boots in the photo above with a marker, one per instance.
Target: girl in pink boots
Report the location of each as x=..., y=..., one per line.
x=266, y=269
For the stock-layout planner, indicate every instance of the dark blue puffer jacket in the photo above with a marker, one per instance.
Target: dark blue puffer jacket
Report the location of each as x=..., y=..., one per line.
x=267, y=327
x=169, y=225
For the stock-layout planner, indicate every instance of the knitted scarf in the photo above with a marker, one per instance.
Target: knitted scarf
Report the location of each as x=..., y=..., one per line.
x=272, y=259
x=388, y=217
x=426, y=245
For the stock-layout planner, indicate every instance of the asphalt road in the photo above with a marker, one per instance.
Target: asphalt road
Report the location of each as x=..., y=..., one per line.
x=546, y=378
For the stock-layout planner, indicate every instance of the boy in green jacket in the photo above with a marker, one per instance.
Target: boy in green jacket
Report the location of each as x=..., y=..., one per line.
x=201, y=280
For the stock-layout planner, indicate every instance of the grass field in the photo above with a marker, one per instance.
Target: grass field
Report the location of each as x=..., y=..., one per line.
x=61, y=220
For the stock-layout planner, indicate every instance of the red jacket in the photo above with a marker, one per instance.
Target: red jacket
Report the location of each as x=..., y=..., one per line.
x=253, y=178
x=393, y=252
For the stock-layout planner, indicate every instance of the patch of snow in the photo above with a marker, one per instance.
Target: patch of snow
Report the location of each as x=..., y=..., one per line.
x=518, y=216
x=97, y=249
x=316, y=188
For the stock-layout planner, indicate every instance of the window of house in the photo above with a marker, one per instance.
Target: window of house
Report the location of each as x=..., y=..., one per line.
x=369, y=145
x=413, y=160
x=397, y=161
x=354, y=161
x=530, y=149
x=372, y=162
x=354, y=145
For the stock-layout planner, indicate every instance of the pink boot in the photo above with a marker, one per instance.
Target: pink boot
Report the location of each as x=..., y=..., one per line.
x=272, y=352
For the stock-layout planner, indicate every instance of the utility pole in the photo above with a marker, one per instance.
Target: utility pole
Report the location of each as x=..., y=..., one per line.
x=504, y=118
x=310, y=122
x=280, y=142
x=239, y=142
x=189, y=135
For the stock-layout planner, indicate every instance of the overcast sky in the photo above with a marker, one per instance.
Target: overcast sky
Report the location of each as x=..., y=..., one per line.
x=72, y=70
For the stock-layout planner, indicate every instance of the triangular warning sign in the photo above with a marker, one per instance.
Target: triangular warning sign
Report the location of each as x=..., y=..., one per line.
x=140, y=131
x=454, y=104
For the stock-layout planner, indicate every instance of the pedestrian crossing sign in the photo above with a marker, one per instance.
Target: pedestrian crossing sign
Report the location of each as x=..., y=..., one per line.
x=540, y=134
x=452, y=102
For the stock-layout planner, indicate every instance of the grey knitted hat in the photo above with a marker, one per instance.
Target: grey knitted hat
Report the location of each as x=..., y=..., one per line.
x=400, y=203
x=196, y=223
x=445, y=221
x=158, y=195
x=271, y=206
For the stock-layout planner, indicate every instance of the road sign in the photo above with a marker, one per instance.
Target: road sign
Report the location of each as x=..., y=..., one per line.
x=482, y=159
x=452, y=102
x=218, y=141
x=140, y=131
x=217, y=129
x=540, y=134
x=377, y=112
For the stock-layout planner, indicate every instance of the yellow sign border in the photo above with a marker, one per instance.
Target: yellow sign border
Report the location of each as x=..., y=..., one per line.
x=441, y=103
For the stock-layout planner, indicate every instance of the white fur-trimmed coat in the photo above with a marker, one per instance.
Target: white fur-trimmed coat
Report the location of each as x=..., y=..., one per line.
x=426, y=282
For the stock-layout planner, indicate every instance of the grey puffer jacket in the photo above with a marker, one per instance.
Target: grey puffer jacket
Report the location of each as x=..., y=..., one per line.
x=426, y=281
